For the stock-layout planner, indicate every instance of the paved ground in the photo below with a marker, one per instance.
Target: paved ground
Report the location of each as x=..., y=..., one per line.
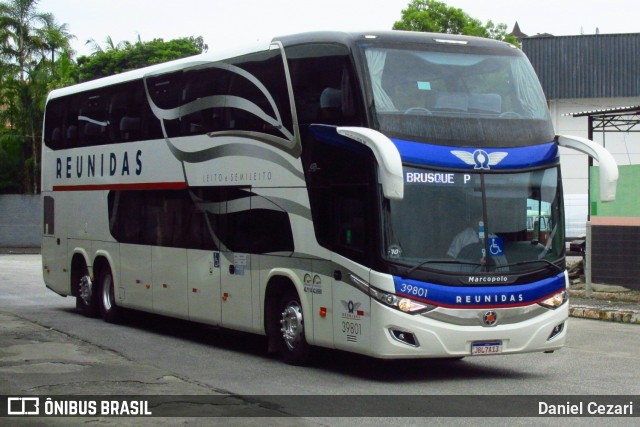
x=28, y=350
x=36, y=360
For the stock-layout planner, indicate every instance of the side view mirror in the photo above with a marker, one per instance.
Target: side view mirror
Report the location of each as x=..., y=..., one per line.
x=608, y=166
x=387, y=156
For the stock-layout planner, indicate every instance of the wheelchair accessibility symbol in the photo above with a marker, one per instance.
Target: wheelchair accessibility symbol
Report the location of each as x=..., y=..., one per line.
x=496, y=246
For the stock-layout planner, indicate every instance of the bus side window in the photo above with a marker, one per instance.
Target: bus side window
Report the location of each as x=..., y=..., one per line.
x=341, y=195
x=125, y=113
x=70, y=128
x=249, y=107
x=208, y=87
x=324, y=84
x=54, y=122
x=349, y=210
x=92, y=120
x=166, y=93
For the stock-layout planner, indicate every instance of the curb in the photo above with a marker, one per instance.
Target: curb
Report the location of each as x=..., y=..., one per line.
x=611, y=315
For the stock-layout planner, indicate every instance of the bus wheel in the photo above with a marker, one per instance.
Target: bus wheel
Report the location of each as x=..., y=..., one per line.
x=294, y=348
x=86, y=300
x=108, y=308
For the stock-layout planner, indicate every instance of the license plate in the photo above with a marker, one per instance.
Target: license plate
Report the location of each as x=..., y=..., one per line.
x=481, y=348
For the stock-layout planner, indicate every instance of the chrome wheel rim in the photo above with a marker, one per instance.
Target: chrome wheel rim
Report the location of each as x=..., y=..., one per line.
x=86, y=289
x=107, y=286
x=292, y=325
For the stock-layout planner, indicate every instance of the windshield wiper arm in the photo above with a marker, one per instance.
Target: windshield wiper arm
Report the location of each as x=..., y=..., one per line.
x=440, y=261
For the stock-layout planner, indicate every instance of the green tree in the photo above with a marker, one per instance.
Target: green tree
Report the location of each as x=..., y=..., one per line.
x=11, y=164
x=28, y=39
x=436, y=17
x=124, y=56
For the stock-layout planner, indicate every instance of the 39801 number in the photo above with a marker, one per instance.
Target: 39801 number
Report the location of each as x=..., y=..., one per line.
x=352, y=328
x=413, y=290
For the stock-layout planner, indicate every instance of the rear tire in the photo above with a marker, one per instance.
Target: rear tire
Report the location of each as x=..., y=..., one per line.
x=289, y=333
x=87, y=298
x=108, y=308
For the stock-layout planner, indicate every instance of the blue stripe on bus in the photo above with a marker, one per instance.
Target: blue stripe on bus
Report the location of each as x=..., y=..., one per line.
x=443, y=156
x=481, y=296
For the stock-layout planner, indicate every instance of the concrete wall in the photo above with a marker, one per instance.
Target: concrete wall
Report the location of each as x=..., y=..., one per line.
x=20, y=221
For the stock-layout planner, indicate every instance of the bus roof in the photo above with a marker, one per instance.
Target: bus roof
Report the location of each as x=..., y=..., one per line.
x=346, y=38
x=163, y=67
x=388, y=36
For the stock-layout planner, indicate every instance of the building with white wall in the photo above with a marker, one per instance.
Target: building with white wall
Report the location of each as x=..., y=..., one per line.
x=587, y=73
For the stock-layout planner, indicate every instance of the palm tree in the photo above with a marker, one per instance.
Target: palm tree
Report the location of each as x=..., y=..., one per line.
x=19, y=26
x=56, y=38
x=26, y=38
x=110, y=45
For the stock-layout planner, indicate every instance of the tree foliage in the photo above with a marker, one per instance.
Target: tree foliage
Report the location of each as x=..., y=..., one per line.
x=436, y=17
x=35, y=58
x=29, y=41
x=127, y=56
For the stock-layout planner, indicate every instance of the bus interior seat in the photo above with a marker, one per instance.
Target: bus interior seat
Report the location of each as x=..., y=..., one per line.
x=72, y=134
x=486, y=102
x=331, y=105
x=55, y=136
x=406, y=95
x=477, y=102
x=92, y=129
x=129, y=127
x=452, y=101
x=93, y=134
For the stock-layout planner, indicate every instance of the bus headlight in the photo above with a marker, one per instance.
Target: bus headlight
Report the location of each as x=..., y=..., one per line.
x=555, y=301
x=405, y=305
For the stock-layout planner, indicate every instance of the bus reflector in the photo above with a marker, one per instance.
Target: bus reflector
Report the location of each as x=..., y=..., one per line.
x=323, y=311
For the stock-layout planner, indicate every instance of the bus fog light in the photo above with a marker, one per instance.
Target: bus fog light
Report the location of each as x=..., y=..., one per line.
x=404, y=337
x=556, y=330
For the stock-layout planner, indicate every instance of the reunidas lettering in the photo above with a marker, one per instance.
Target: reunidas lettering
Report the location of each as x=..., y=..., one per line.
x=99, y=165
x=489, y=299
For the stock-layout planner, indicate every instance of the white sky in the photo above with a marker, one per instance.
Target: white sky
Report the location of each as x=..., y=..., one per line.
x=241, y=21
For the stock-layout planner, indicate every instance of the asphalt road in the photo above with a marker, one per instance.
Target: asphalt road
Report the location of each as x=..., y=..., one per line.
x=600, y=358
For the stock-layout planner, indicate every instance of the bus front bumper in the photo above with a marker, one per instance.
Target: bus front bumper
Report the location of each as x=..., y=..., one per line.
x=446, y=333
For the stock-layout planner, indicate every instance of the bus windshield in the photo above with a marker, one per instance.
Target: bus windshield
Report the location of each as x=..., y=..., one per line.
x=452, y=95
x=466, y=222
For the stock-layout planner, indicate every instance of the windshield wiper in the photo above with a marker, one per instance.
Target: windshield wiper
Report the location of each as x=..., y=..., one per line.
x=560, y=270
x=440, y=261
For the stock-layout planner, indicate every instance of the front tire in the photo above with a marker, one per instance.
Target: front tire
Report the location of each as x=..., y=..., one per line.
x=108, y=308
x=290, y=332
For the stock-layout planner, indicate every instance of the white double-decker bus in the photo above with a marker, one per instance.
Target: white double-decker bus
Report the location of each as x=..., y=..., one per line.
x=368, y=192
